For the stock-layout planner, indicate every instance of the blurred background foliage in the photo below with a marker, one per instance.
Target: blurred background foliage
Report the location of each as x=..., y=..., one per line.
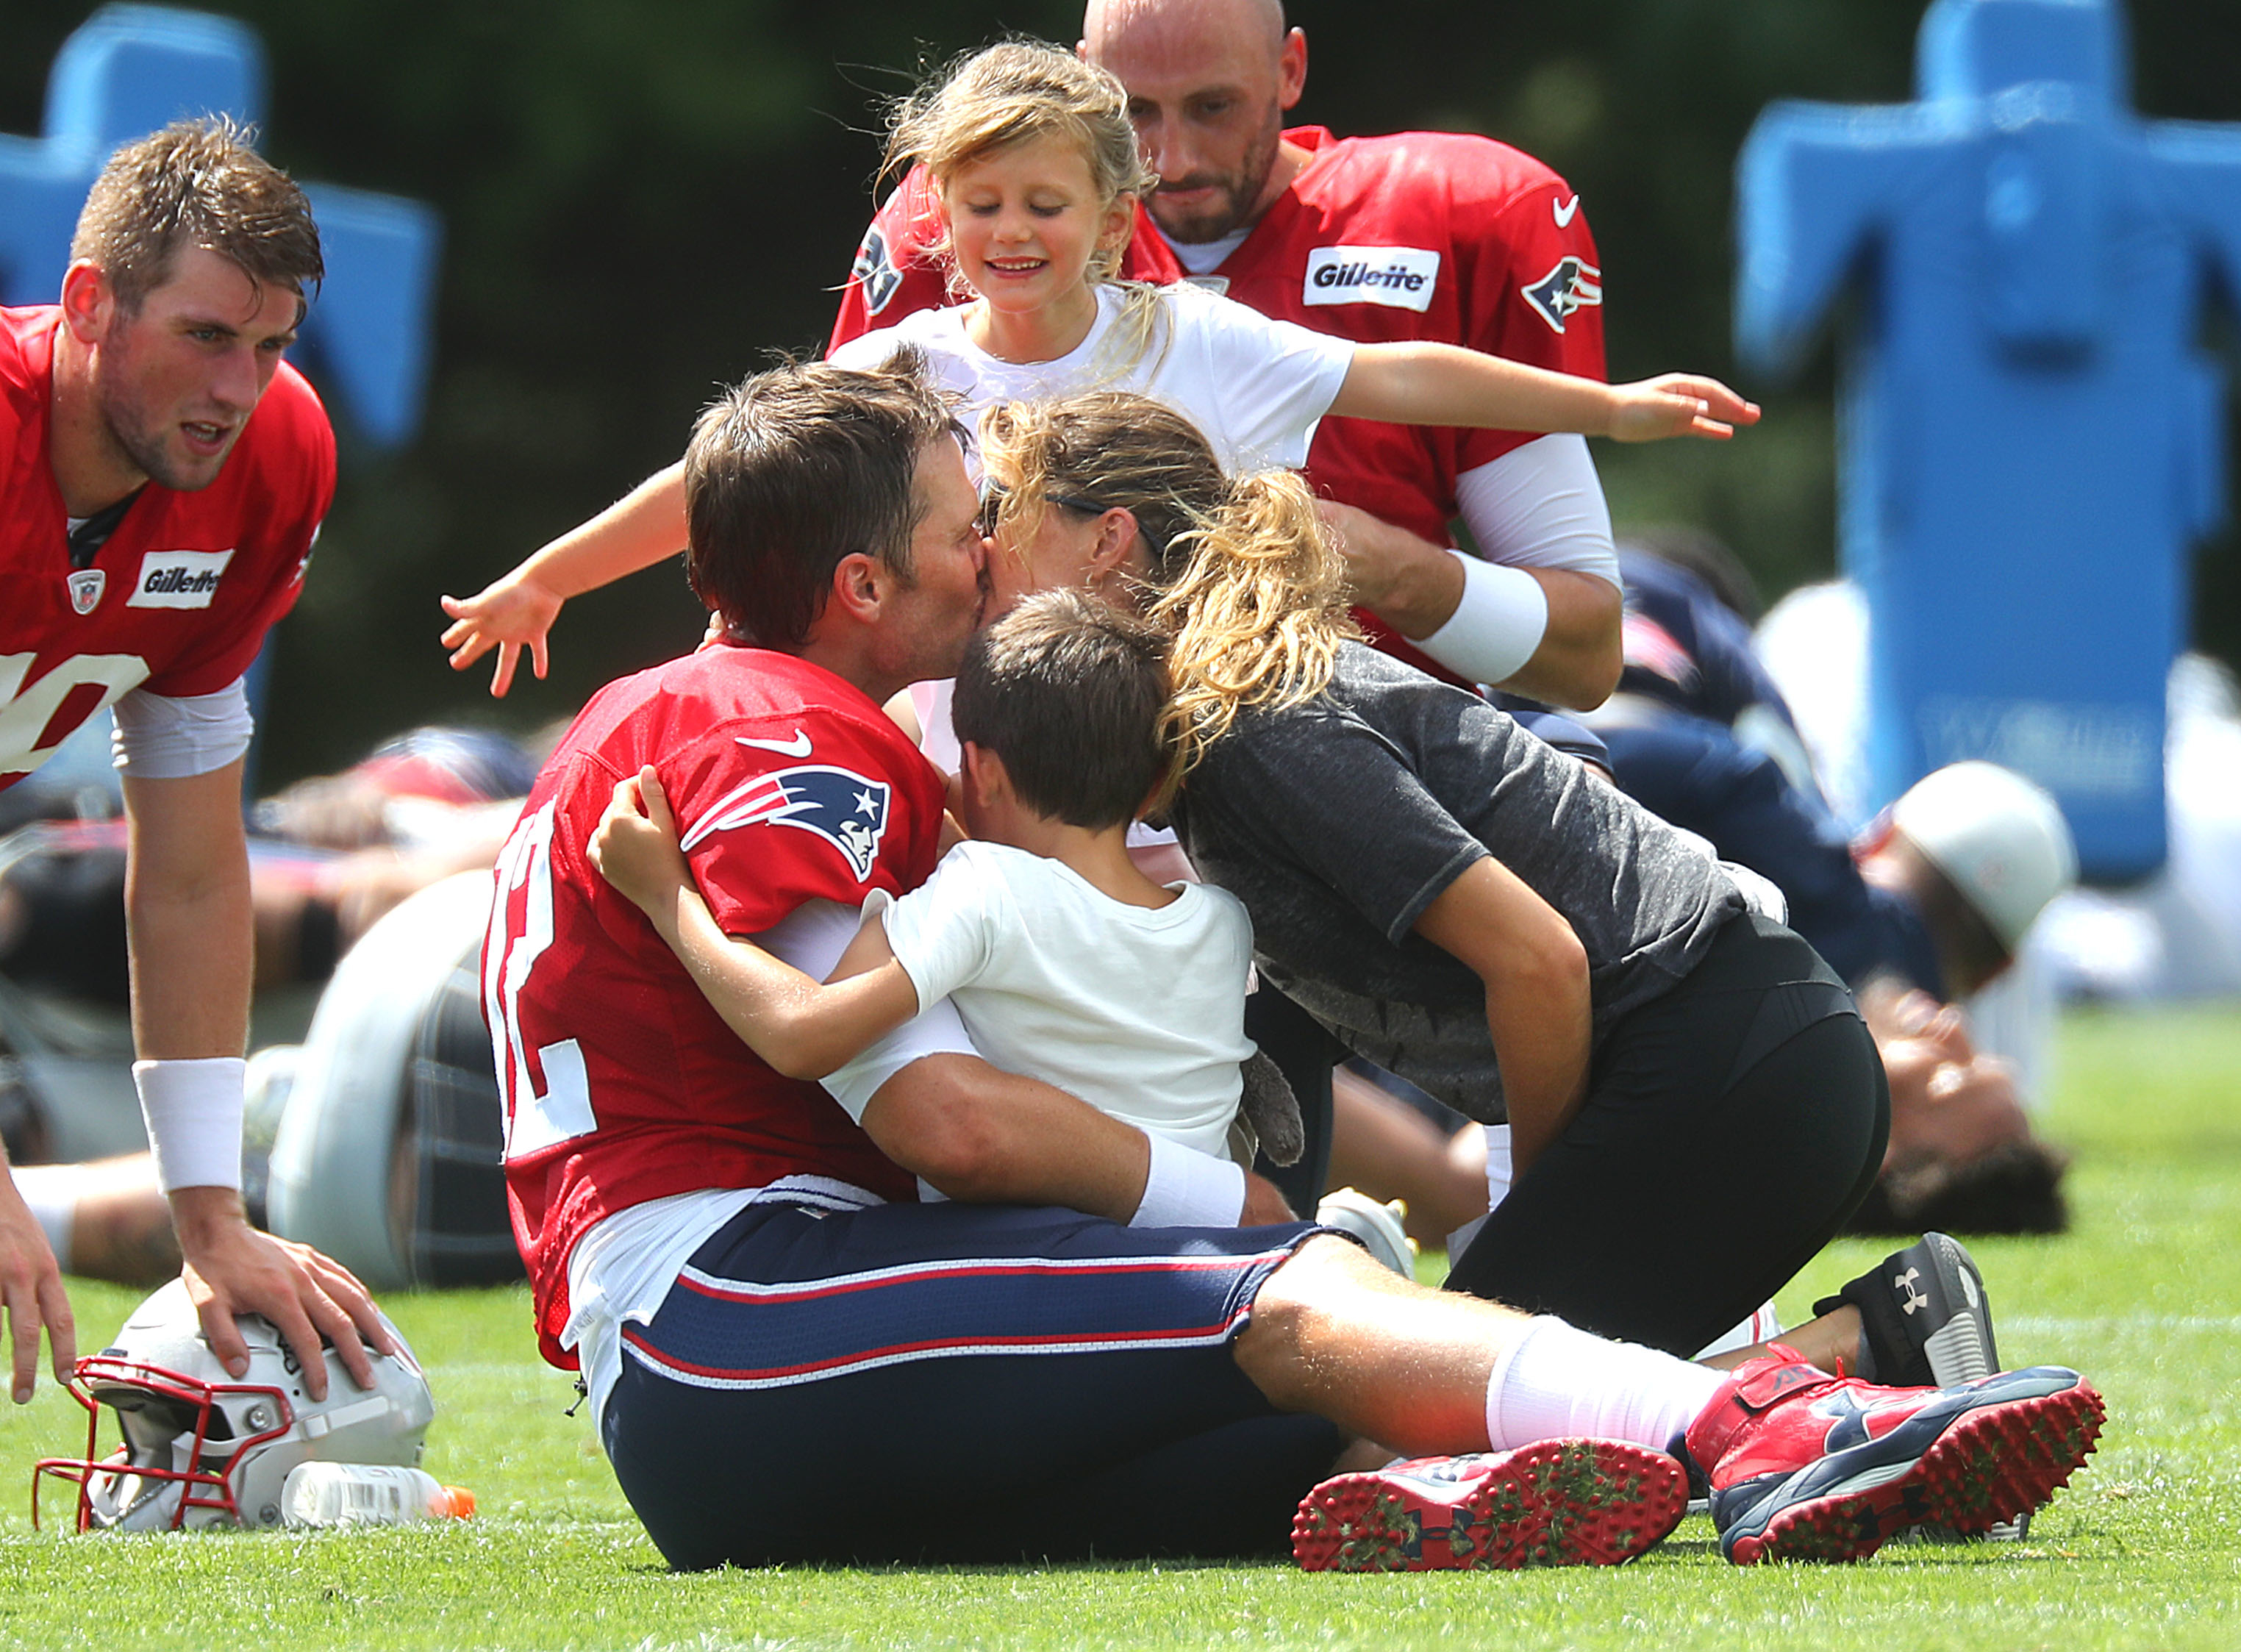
x=645, y=200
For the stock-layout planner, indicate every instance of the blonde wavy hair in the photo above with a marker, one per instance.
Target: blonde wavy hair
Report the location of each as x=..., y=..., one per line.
x=1014, y=92
x=1244, y=577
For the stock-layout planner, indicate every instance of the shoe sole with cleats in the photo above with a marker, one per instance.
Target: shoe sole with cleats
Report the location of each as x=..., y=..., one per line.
x=1560, y=1502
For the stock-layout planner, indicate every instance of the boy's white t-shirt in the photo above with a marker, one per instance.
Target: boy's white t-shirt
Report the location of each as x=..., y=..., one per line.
x=1256, y=388
x=1139, y=1012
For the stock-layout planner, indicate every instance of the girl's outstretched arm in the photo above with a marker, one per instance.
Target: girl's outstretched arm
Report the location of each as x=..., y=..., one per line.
x=803, y=1028
x=515, y=611
x=1429, y=384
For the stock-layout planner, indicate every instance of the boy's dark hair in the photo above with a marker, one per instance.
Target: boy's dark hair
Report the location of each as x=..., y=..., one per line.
x=795, y=469
x=195, y=184
x=1070, y=692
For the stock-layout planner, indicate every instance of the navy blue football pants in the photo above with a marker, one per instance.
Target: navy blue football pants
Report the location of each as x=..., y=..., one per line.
x=960, y=1383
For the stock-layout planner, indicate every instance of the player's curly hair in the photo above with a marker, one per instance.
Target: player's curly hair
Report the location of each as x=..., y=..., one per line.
x=1012, y=92
x=195, y=184
x=1241, y=574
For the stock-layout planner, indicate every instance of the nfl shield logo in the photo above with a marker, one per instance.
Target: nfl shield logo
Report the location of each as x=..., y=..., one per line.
x=85, y=588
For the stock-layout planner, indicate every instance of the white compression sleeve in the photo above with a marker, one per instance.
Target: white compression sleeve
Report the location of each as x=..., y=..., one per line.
x=163, y=738
x=193, y=1109
x=1540, y=507
x=49, y=1193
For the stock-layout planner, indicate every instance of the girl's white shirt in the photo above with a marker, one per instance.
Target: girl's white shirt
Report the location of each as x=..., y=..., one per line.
x=1256, y=388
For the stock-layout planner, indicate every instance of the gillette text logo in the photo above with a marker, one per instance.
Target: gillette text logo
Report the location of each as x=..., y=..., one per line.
x=1401, y=277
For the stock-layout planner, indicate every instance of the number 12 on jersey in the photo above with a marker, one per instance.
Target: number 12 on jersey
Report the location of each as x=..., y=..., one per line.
x=534, y=1119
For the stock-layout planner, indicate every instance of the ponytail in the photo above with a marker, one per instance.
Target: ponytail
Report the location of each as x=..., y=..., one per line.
x=1256, y=616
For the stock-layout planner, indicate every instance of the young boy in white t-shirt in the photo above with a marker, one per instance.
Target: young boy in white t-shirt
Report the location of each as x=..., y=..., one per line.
x=1065, y=962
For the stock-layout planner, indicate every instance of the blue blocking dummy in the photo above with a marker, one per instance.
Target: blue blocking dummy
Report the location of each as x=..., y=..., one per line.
x=130, y=70
x=2031, y=436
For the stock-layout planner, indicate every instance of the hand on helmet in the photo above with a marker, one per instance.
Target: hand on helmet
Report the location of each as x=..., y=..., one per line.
x=31, y=1293
x=231, y=1268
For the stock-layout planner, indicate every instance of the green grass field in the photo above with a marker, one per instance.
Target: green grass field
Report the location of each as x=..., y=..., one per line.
x=2143, y=1550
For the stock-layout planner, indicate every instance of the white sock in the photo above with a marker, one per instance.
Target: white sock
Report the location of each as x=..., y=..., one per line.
x=50, y=1192
x=1556, y=1383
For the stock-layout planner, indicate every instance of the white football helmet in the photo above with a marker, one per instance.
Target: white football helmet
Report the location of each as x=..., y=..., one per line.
x=203, y=1449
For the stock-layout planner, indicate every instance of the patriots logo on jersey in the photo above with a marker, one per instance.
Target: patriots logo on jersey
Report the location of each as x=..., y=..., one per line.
x=841, y=806
x=875, y=272
x=1573, y=285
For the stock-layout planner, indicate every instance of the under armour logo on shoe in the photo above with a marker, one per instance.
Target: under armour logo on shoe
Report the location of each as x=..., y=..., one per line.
x=1847, y=1419
x=1915, y=1299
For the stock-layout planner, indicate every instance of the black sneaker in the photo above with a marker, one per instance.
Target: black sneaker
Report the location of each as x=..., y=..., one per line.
x=1926, y=1321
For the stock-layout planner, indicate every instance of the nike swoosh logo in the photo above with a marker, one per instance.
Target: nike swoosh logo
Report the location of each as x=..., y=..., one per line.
x=798, y=747
x=1566, y=212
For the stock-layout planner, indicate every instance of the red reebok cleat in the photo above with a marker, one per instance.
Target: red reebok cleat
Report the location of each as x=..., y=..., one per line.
x=1559, y=1503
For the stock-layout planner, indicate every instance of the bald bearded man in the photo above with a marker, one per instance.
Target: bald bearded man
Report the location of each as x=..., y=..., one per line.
x=1414, y=235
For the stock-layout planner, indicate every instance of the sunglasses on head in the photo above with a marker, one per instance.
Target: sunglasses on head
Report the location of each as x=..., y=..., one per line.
x=992, y=506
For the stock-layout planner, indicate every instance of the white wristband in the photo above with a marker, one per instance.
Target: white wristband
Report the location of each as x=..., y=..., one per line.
x=1186, y=1189
x=1494, y=629
x=193, y=1112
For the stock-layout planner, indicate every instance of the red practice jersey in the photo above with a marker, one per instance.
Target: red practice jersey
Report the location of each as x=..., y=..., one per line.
x=179, y=598
x=1418, y=236
x=621, y=1084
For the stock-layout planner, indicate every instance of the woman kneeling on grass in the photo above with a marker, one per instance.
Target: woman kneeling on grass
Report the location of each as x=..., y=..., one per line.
x=1467, y=906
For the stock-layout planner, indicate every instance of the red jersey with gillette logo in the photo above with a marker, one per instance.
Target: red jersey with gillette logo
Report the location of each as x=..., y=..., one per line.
x=179, y=597
x=1432, y=236
x=621, y=1083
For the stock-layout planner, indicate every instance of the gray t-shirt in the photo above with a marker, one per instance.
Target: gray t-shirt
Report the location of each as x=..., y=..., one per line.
x=1339, y=822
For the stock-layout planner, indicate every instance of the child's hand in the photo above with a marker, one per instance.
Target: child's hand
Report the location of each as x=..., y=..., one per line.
x=509, y=615
x=635, y=847
x=1678, y=405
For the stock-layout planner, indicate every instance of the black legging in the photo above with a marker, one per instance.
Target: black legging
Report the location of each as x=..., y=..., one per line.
x=1730, y=1126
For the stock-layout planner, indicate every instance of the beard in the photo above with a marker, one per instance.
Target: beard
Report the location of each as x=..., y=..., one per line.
x=1239, y=192
x=139, y=436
